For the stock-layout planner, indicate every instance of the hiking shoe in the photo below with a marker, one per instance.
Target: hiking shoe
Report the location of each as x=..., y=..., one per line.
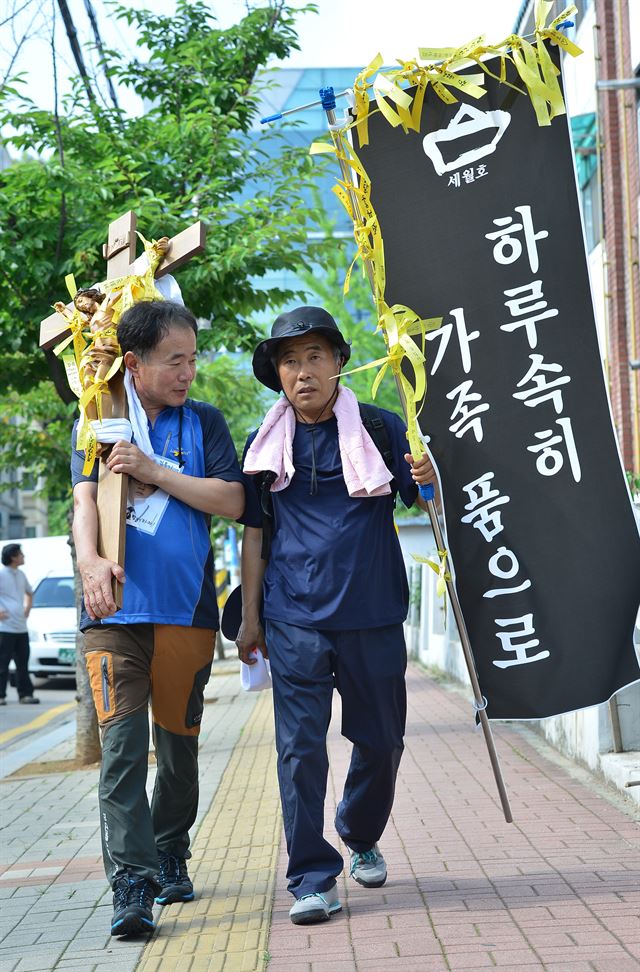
x=312, y=908
x=29, y=700
x=132, y=902
x=3, y=701
x=368, y=868
x=175, y=880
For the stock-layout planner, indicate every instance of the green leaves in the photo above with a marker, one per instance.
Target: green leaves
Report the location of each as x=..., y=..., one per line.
x=35, y=435
x=188, y=155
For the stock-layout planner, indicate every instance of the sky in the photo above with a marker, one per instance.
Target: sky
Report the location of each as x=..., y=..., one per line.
x=343, y=32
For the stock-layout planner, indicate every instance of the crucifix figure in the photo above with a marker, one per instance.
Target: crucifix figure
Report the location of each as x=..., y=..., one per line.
x=120, y=255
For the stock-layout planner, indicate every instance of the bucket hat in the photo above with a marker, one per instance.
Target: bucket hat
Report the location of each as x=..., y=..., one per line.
x=295, y=323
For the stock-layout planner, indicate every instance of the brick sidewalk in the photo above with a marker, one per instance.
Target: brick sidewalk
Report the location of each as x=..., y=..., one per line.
x=556, y=890
x=55, y=904
x=234, y=867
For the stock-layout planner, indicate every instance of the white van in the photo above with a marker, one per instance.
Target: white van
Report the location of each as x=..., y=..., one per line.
x=44, y=555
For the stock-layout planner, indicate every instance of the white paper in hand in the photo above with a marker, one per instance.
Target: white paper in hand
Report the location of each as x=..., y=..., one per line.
x=256, y=678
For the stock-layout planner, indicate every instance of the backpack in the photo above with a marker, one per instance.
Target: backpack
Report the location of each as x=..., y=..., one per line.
x=374, y=424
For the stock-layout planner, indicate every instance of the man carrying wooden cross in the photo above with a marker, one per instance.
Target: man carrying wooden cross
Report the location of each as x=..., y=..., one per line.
x=183, y=469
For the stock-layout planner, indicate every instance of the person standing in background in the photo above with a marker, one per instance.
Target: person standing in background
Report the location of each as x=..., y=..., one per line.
x=16, y=598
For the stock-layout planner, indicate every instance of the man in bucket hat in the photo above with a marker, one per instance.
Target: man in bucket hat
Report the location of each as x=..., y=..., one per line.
x=333, y=592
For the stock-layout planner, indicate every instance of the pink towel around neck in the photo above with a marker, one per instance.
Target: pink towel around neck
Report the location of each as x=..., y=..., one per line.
x=365, y=473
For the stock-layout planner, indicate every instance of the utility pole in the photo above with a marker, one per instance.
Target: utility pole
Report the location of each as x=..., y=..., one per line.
x=98, y=39
x=72, y=34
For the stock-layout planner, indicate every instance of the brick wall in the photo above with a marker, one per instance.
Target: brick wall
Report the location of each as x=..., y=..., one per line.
x=620, y=189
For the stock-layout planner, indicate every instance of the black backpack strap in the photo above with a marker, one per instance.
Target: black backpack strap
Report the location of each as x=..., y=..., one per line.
x=374, y=424
x=265, y=481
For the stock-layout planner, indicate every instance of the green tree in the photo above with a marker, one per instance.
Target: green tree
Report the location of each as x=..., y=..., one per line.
x=354, y=313
x=228, y=382
x=186, y=156
x=189, y=155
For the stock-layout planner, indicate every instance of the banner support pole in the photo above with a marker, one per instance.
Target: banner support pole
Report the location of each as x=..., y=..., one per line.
x=427, y=492
x=480, y=703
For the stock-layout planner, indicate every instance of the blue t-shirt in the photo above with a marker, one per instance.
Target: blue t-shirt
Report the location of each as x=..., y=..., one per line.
x=335, y=561
x=170, y=574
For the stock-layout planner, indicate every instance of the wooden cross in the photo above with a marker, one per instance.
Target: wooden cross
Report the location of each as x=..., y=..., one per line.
x=120, y=254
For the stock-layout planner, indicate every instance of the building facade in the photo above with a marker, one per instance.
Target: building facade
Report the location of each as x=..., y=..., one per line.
x=603, y=100
x=290, y=88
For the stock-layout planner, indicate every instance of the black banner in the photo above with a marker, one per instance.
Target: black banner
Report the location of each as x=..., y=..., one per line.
x=480, y=223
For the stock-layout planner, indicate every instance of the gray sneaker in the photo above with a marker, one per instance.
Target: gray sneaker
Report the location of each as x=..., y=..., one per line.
x=368, y=868
x=312, y=908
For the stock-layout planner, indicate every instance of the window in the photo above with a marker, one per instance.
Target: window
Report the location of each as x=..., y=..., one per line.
x=583, y=130
x=583, y=6
x=590, y=205
x=55, y=592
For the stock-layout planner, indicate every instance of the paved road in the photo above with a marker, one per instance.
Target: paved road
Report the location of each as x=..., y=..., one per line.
x=26, y=731
x=52, y=692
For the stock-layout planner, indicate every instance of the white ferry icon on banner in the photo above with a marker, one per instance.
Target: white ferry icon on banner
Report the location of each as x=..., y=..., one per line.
x=462, y=135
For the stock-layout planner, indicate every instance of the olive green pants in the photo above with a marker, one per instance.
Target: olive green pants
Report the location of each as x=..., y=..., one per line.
x=130, y=666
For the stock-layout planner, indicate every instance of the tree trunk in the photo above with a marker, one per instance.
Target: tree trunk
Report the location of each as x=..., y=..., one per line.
x=88, y=749
x=59, y=379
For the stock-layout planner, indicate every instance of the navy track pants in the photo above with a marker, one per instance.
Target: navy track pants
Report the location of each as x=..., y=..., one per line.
x=367, y=666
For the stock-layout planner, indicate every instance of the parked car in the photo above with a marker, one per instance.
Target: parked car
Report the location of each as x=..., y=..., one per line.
x=52, y=628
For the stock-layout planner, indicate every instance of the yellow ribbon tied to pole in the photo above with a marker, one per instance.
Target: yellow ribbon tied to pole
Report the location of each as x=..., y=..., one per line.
x=440, y=68
x=440, y=569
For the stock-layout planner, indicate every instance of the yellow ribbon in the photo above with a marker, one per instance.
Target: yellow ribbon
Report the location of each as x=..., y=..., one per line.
x=441, y=65
x=365, y=222
x=493, y=51
x=76, y=324
x=115, y=367
x=557, y=36
x=443, y=575
x=133, y=288
x=94, y=391
x=360, y=86
x=398, y=324
x=469, y=83
x=385, y=88
x=73, y=376
x=448, y=55
x=136, y=287
x=86, y=436
x=70, y=282
x=89, y=445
